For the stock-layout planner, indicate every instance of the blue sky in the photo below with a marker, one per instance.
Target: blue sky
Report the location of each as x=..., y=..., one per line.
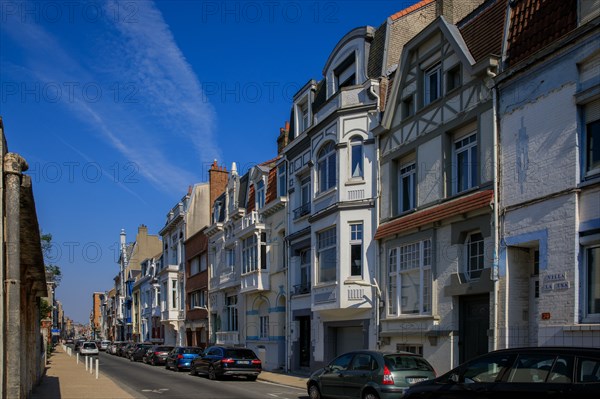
x=119, y=106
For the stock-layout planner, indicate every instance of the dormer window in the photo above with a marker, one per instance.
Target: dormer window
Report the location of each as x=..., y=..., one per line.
x=303, y=116
x=345, y=73
x=260, y=194
x=432, y=85
x=216, y=212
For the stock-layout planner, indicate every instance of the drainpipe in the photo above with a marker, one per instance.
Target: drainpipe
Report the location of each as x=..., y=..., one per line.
x=496, y=174
x=14, y=165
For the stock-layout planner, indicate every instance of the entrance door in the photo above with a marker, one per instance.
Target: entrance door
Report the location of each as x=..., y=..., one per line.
x=474, y=323
x=304, y=341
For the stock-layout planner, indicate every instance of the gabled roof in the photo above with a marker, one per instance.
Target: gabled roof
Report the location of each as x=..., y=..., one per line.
x=435, y=213
x=482, y=29
x=536, y=23
x=455, y=39
x=410, y=9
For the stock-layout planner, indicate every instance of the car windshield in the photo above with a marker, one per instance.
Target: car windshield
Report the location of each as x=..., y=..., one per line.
x=240, y=354
x=191, y=350
x=406, y=362
x=89, y=345
x=163, y=348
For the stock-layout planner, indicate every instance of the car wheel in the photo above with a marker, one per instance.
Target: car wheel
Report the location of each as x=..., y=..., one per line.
x=370, y=395
x=313, y=392
x=167, y=366
x=153, y=362
x=212, y=375
x=193, y=371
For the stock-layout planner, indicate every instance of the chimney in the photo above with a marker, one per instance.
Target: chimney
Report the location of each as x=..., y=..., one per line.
x=217, y=180
x=283, y=138
x=143, y=229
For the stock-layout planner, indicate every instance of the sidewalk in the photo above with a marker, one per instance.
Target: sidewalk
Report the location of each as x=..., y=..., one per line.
x=65, y=379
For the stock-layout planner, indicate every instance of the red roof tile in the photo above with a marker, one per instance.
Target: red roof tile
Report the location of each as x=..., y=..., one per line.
x=483, y=29
x=436, y=213
x=534, y=24
x=410, y=9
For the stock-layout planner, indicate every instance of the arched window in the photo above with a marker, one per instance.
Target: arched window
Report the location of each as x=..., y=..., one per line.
x=326, y=161
x=356, y=157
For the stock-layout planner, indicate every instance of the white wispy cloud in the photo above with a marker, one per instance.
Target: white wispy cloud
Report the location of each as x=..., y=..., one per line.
x=140, y=54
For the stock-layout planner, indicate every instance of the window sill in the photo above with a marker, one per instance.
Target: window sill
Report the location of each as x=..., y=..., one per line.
x=582, y=327
x=324, y=194
x=410, y=317
x=355, y=182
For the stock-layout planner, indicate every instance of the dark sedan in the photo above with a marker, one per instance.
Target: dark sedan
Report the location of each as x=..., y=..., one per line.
x=537, y=372
x=219, y=361
x=157, y=355
x=139, y=351
x=181, y=357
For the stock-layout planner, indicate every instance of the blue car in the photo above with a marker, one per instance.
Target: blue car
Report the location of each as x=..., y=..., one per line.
x=180, y=358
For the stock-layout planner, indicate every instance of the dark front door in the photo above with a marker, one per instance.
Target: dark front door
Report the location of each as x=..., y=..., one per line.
x=474, y=323
x=304, y=340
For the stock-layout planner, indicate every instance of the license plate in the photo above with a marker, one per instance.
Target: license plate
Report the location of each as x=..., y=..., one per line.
x=414, y=380
x=243, y=362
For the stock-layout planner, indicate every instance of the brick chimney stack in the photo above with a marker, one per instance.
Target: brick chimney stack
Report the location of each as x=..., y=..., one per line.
x=217, y=179
x=283, y=138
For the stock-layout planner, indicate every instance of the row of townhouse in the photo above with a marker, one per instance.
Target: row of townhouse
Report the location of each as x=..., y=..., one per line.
x=437, y=191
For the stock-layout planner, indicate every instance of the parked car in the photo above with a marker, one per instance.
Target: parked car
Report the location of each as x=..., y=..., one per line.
x=139, y=351
x=559, y=372
x=78, y=344
x=368, y=374
x=88, y=349
x=157, y=354
x=104, y=345
x=123, y=348
x=181, y=357
x=219, y=361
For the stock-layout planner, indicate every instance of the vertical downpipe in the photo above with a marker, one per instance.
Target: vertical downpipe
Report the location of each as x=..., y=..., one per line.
x=14, y=165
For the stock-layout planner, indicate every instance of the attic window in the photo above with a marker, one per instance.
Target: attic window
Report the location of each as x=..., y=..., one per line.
x=303, y=118
x=345, y=73
x=453, y=78
x=432, y=85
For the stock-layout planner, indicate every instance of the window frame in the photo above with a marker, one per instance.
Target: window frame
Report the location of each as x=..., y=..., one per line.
x=282, y=180
x=249, y=254
x=399, y=261
x=588, y=316
x=435, y=72
x=260, y=190
x=465, y=144
x=356, y=143
x=327, y=247
x=327, y=167
x=231, y=312
x=473, y=273
x=407, y=170
x=591, y=166
x=356, y=242
x=345, y=73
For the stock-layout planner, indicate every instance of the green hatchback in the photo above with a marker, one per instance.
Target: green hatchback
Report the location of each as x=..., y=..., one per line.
x=368, y=374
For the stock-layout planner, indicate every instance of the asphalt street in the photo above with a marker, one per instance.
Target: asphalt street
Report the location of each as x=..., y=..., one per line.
x=146, y=381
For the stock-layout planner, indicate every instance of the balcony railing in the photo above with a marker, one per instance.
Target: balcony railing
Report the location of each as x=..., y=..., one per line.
x=302, y=210
x=228, y=337
x=251, y=219
x=300, y=289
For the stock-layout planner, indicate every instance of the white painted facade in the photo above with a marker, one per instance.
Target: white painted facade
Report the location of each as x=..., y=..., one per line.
x=332, y=209
x=551, y=195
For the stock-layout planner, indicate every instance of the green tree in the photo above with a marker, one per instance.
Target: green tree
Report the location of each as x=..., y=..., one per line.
x=53, y=272
x=45, y=309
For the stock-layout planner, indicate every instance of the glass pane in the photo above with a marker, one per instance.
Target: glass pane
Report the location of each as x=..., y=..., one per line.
x=593, y=144
x=356, y=260
x=593, y=280
x=410, y=291
x=462, y=171
x=487, y=369
x=357, y=157
x=474, y=166
x=331, y=171
x=327, y=263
